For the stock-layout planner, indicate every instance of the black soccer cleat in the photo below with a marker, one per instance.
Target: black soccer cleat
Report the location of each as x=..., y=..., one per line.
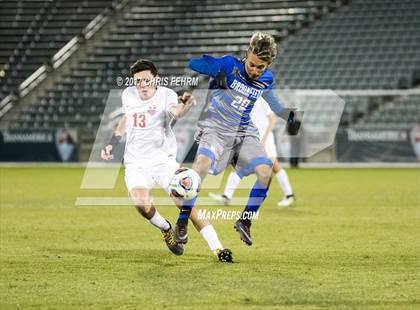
x=244, y=231
x=224, y=255
x=173, y=246
x=181, y=233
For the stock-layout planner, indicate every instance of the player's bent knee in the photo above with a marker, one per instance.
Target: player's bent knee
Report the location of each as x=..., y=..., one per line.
x=263, y=174
x=142, y=204
x=140, y=200
x=146, y=211
x=202, y=165
x=140, y=197
x=202, y=162
x=264, y=179
x=276, y=165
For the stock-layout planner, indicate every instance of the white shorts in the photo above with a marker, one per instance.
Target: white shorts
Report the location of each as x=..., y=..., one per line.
x=270, y=147
x=147, y=176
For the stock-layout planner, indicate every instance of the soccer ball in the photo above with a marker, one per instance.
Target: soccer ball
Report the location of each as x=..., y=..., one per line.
x=185, y=184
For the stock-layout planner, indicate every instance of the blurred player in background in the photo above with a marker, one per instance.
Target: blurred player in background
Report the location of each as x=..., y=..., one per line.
x=226, y=134
x=262, y=117
x=150, y=150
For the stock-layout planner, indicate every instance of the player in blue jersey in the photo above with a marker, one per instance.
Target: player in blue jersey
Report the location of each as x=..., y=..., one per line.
x=226, y=134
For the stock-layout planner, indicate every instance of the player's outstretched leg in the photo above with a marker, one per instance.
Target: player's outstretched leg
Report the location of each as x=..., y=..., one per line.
x=209, y=234
x=169, y=238
x=283, y=180
x=243, y=227
x=256, y=198
x=231, y=185
x=289, y=197
x=166, y=230
x=222, y=198
x=201, y=166
x=181, y=228
x=141, y=199
x=224, y=255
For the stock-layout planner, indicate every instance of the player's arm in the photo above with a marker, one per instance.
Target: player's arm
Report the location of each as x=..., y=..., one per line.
x=106, y=153
x=186, y=101
x=277, y=107
x=211, y=66
x=270, y=127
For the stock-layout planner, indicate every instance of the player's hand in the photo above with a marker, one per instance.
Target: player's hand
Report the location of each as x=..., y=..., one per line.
x=106, y=153
x=291, y=119
x=294, y=122
x=187, y=99
x=288, y=115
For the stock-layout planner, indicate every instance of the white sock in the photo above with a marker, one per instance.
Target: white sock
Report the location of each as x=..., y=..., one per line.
x=158, y=221
x=231, y=185
x=284, y=182
x=210, y=235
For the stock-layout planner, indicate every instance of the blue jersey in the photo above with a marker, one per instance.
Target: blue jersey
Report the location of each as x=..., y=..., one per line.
x=231, y=108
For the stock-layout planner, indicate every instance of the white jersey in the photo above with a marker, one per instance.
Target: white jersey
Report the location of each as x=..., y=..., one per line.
x=259, y=116
x=149, y=137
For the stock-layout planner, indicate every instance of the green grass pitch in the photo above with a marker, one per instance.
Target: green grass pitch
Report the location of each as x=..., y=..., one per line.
x=352, y=242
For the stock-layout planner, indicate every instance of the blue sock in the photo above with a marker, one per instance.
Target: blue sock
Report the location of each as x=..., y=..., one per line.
x=256, y=198
x=185, y=212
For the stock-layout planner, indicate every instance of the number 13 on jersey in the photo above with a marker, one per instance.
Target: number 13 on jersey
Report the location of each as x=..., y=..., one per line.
x=139, y=120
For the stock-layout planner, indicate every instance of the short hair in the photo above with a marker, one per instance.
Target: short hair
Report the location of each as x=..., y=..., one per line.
x=143, y=65
x=263, y=46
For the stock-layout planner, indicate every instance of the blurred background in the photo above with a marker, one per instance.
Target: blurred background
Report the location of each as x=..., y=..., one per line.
x=60, y=59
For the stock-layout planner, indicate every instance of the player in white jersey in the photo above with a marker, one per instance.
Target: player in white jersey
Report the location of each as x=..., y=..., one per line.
x=263, y=118
x=150, y=150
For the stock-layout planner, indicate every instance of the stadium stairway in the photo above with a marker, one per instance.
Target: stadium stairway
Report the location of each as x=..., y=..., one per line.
x=33, y=31
x=169, y=33
x=17, y=116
